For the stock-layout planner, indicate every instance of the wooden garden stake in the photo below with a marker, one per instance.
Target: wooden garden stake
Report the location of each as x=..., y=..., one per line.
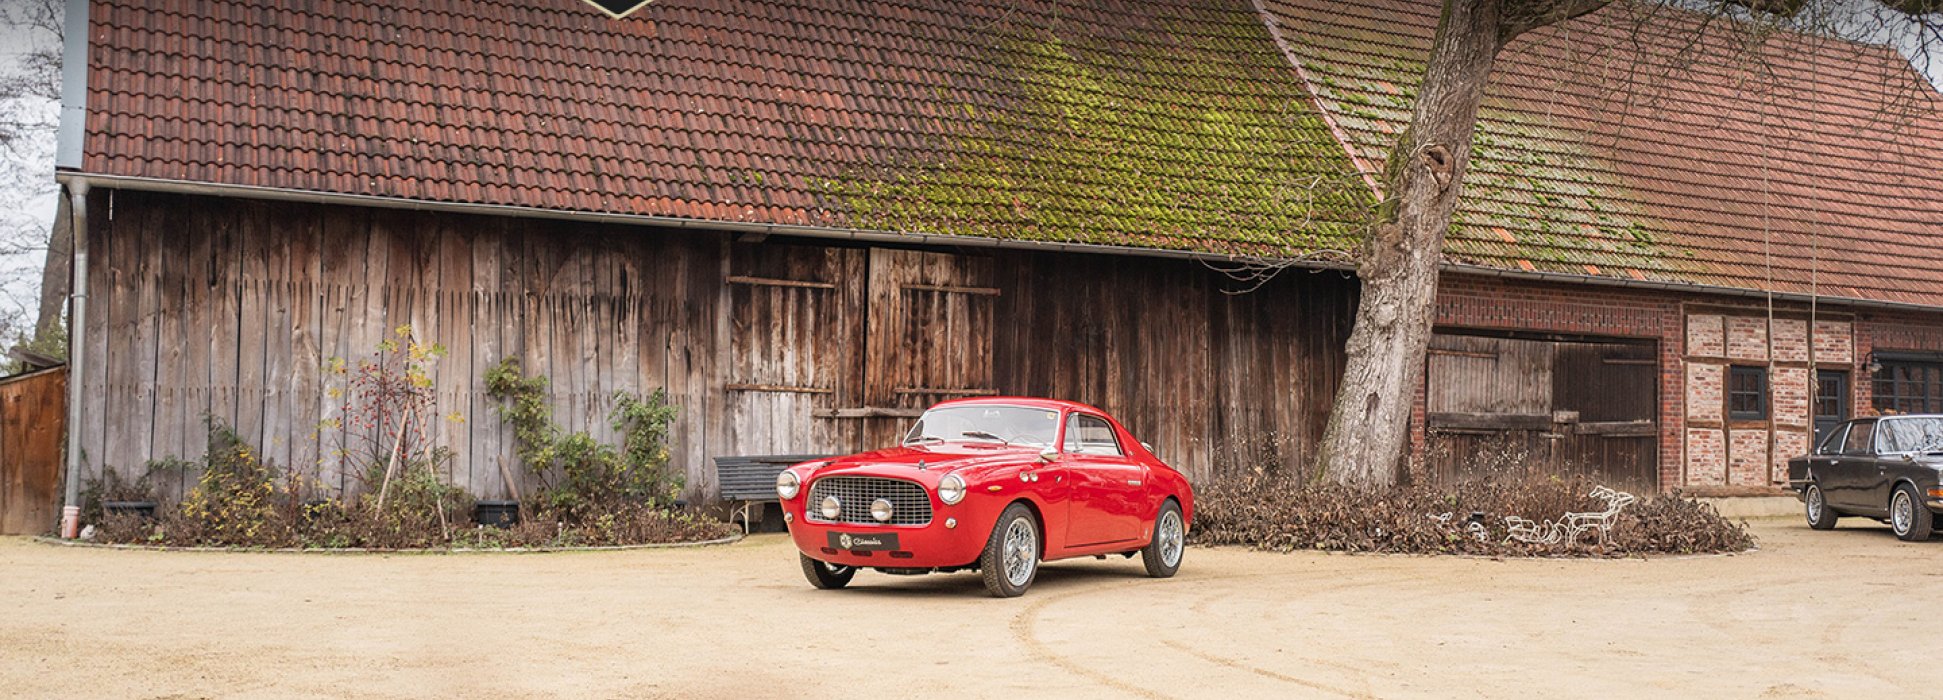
x=391, y=466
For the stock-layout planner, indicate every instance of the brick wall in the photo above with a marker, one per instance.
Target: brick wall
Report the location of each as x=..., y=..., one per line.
x=1778, y=340
x=1699, y=337
x=1706, y=392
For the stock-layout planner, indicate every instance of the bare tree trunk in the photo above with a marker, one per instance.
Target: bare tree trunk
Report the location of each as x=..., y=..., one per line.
x=1369, y=427
x=54, y=277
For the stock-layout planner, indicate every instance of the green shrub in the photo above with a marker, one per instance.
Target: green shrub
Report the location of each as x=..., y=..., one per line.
x=581, y=477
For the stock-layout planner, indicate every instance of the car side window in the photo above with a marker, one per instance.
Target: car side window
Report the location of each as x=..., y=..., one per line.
x=1861, y=439
x=1832, y=445
x=1090, y=435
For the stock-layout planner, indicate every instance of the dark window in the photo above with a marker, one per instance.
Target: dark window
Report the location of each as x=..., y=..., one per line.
x=1747, y=393
x=1909, y=387
x=1831, y=400
x=1832, y=445
x=1861, y=439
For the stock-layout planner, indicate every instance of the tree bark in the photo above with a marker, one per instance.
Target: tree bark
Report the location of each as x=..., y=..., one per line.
x=55, y=273
x=1369, y=427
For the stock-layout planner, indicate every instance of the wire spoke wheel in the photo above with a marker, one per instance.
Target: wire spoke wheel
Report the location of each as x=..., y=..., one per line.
x=1902, y=512
x=1021, y=551
x=1172, y=539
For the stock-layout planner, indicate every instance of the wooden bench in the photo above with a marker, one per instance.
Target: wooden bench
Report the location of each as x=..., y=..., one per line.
x=750, y=480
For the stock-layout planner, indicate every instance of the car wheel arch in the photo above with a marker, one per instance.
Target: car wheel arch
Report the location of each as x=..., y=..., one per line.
x=1038, y=519
x=1899, y=483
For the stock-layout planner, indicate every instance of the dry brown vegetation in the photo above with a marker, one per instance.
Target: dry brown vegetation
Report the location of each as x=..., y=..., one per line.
x=1282, y=514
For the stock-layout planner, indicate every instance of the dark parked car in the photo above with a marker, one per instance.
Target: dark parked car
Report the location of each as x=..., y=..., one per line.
x=1883, y=468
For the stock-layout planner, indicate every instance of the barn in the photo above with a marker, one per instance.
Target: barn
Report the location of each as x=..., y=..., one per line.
x=805, y=221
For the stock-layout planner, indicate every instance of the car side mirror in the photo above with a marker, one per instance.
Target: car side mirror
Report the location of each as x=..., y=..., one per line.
x=1048, y=455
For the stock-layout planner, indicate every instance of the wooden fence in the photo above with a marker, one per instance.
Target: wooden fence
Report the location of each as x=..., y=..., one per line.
x=33, y=419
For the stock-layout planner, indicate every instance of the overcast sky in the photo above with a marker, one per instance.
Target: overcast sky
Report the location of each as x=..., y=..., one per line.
x=27, y=188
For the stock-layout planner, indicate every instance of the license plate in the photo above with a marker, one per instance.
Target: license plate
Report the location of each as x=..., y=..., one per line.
x=858, y=542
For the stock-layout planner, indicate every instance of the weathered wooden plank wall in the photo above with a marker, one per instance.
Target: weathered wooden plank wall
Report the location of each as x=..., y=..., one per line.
x=1499, y=406
x=33, y=420
x=240, y=310
x=1219, y=382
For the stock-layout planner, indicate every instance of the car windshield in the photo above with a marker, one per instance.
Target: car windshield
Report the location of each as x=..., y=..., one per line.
x=1923, y=434
x=1014, y=425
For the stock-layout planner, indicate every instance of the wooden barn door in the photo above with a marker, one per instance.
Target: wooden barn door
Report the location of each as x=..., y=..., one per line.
x=1607, y=392
x=835, y=350
x=930, y=336
x=795, y=321
x=1501, y=405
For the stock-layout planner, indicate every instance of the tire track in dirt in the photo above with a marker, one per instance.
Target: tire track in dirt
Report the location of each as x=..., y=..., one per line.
x=1203, y=609
x=1265, y=673
x=1024, y=629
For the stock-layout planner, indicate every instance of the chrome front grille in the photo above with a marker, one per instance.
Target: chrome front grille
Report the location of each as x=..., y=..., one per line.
x=910, y=505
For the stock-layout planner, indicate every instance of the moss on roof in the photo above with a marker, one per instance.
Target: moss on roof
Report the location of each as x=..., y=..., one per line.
x=1199, y=139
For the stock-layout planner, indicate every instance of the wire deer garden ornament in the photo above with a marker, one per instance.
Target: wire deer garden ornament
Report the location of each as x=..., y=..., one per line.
x=1571, y=527
x=1566, y=529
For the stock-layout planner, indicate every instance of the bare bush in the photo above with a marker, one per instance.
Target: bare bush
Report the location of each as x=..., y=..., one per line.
x=1285, y=515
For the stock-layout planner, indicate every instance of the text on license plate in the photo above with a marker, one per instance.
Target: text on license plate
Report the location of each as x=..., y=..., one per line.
x=859, y=542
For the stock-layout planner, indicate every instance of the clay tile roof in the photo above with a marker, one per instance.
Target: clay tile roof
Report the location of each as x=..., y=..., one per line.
x=1652, y=147
x=1657, y=155
x=1170, y=123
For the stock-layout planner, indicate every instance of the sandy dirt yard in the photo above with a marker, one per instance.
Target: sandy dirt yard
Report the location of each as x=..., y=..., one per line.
x=1814, y=614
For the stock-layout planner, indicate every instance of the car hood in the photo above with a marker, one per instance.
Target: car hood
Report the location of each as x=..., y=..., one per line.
x=926, y=463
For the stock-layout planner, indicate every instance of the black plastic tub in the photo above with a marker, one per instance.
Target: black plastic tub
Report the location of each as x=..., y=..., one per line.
x=496, y=513
x=143, y=509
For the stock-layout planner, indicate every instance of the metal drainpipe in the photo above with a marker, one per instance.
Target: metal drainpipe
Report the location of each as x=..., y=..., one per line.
x=77, y=325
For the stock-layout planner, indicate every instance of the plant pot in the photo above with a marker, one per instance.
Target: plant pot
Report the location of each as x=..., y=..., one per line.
x=496, y=513
x=142, y=509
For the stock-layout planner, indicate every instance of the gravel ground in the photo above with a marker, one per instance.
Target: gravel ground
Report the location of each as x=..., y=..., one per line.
x=1814, y=614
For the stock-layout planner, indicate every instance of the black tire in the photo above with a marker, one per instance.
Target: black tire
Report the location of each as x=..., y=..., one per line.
x=1913, y=524
x=1814, y=504
x=826, y=576
x=1011, y=583
x=1162, y=555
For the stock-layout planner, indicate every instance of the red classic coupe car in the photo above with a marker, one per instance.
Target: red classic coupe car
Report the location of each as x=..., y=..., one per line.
x=995, y=485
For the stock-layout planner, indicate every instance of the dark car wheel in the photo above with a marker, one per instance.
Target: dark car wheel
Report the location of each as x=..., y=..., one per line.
x=825, y=575
x=1163, y=554
x=1908, y=516
x=1815, y=504
x=1011, y=557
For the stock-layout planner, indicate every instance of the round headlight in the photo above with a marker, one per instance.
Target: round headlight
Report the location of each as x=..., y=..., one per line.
x=951, y=489
x=831, y=508
x=787, y=485
x=881, y=510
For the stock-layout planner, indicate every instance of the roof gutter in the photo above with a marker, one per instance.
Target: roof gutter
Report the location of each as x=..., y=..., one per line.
x=868, y=236
x=674, y=222
x=1687, y=287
